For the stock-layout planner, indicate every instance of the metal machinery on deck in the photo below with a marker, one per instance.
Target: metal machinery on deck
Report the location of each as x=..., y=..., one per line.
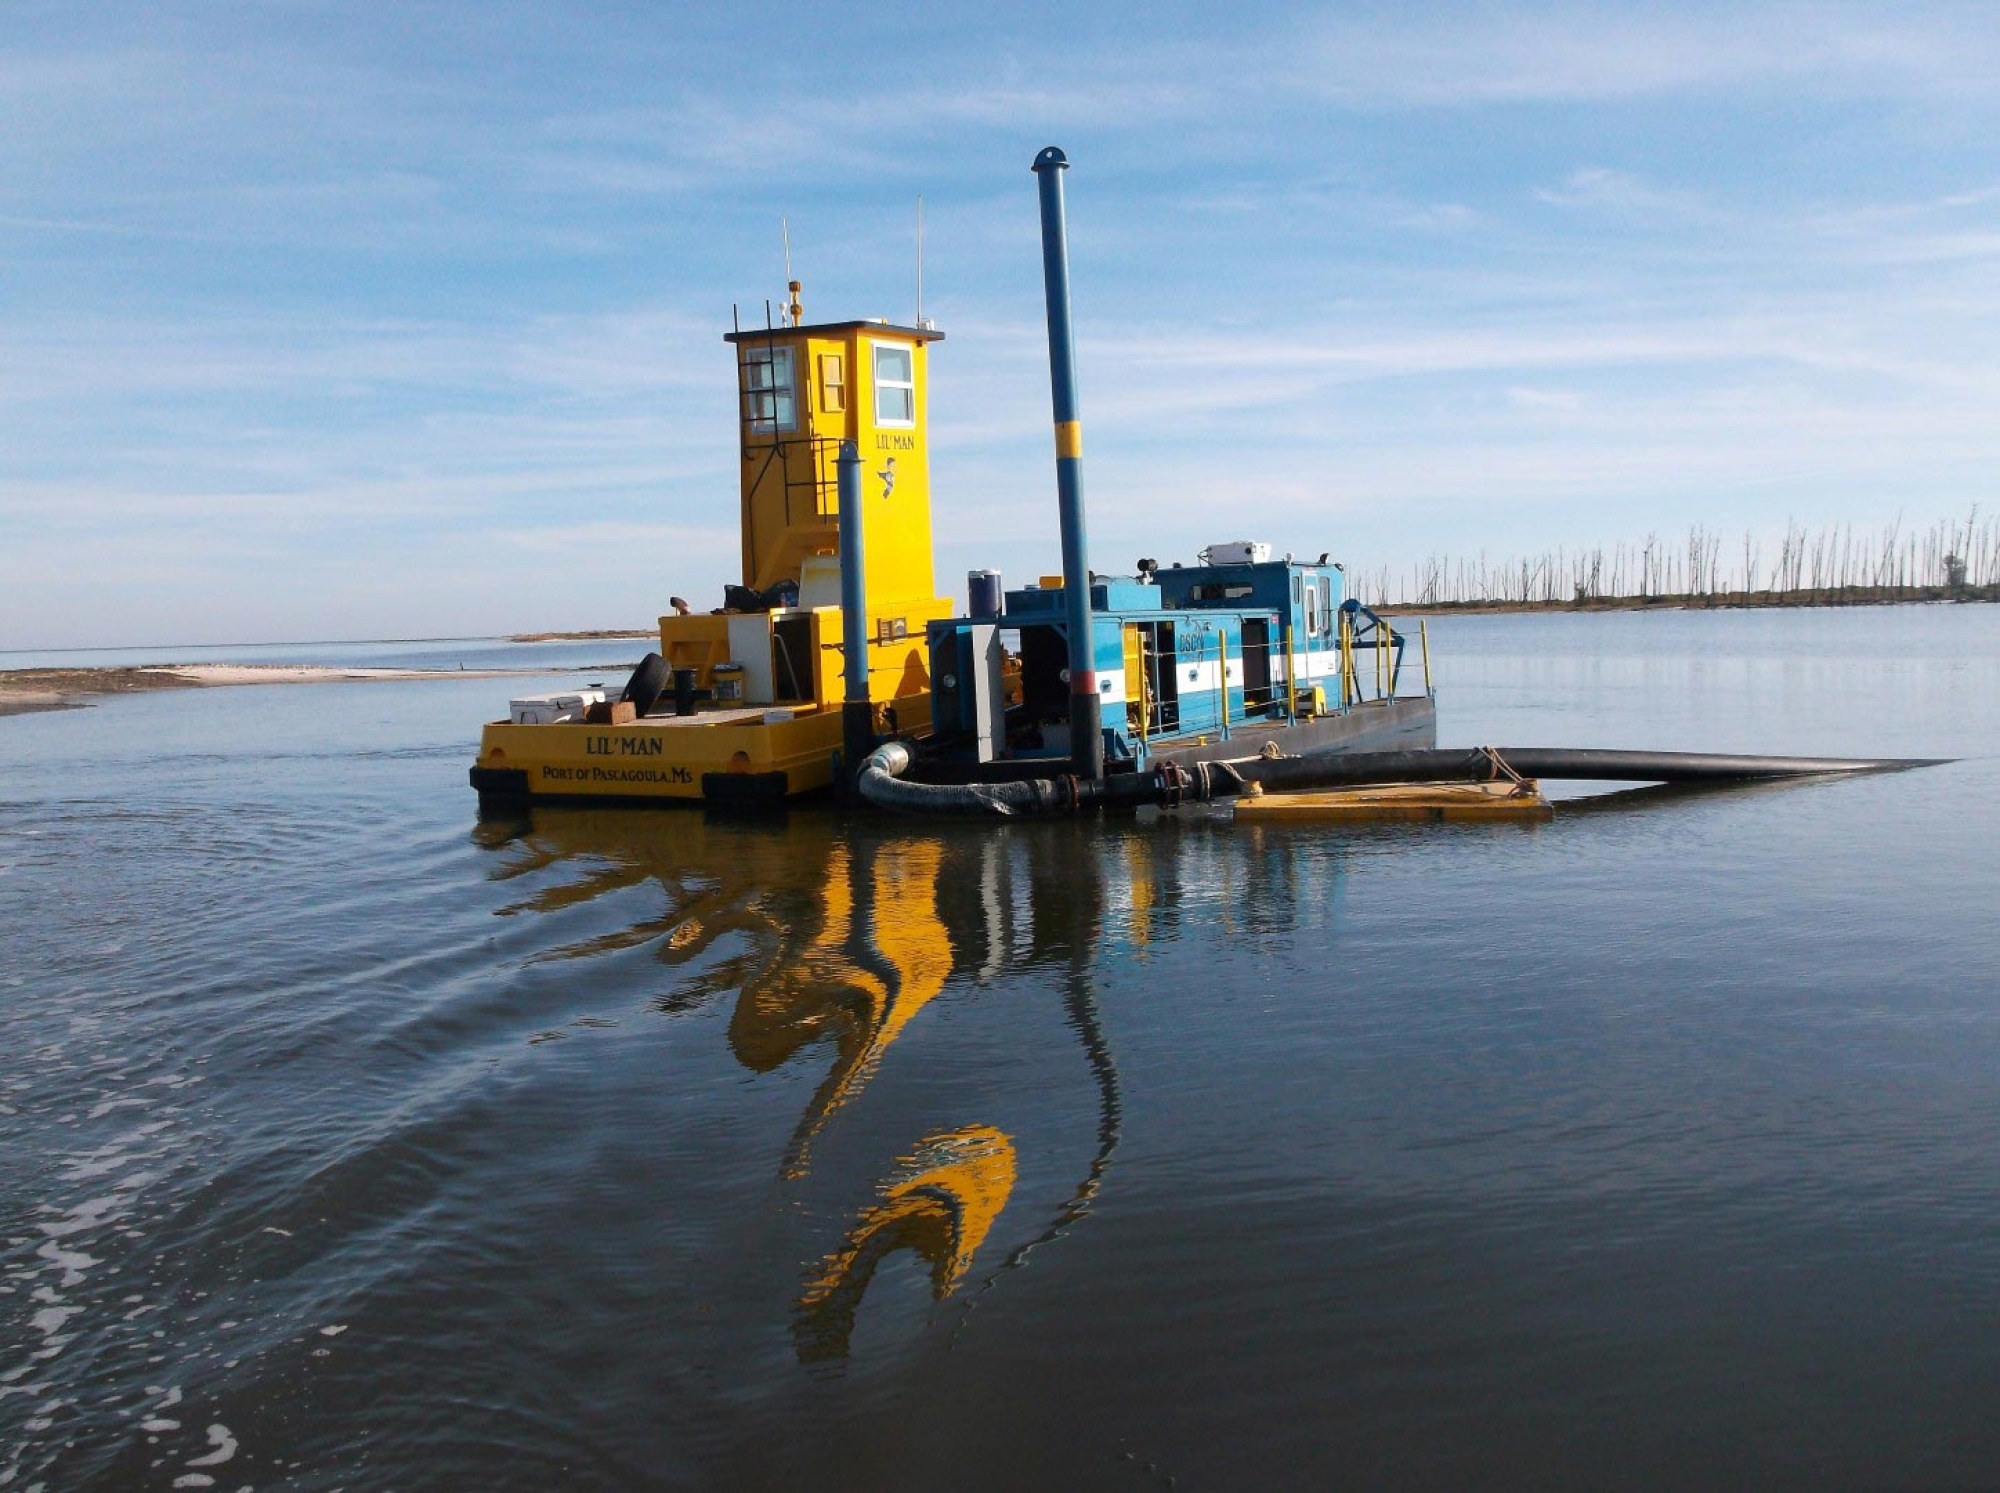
x=1189, y=662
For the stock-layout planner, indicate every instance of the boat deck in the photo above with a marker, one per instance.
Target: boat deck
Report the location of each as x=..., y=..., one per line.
x=1371, y=725
x=741, y=715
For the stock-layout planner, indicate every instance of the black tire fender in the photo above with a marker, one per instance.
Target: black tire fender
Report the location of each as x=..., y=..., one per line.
x=648, y=680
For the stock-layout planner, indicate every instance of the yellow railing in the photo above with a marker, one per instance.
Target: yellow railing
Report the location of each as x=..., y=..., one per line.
x=1291, y=679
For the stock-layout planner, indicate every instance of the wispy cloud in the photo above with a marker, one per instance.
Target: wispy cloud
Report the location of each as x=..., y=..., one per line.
x=1596, y=188
x=1545, y=401
x=300, y=307
x=1575, y=53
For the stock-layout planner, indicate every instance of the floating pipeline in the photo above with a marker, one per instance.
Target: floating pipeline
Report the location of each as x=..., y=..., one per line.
x=881, y=782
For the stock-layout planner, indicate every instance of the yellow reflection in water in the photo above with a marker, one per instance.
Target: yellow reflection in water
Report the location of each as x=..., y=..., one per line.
x=823, y=932
x=848, y=939
x=879, y=955
x=941, y=1201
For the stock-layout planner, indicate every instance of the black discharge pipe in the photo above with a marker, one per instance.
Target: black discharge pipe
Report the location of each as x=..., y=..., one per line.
x=1457, y=765
x=1201, y=782
x=881, y=784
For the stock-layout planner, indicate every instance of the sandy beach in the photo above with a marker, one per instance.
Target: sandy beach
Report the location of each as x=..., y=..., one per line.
x=26, y=690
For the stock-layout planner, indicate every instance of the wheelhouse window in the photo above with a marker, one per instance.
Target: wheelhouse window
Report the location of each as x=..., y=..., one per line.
x=770, y=400
x=1312, y=610
x=895, y=385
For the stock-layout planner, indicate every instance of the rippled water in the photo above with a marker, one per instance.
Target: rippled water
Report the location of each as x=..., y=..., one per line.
x=347, y=1142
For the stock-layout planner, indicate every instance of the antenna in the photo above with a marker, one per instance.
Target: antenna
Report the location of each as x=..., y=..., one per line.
x=920, y=259
x=794, y=310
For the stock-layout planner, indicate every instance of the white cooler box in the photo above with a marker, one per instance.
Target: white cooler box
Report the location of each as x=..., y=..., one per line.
x=547, y=710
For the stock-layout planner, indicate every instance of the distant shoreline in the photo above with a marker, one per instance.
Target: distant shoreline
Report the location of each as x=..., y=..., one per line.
x=1832, y=596
x=594, y=635
x=27, y=691
x=1700, y=601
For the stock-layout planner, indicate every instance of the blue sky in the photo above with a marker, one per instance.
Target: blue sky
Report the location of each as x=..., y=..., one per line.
x=322, y=321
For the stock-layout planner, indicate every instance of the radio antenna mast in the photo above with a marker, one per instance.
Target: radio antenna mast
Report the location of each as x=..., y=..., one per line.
x=794, y=309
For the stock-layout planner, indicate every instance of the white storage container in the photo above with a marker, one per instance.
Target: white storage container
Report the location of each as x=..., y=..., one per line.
x=1237, y=552
x=547, y=710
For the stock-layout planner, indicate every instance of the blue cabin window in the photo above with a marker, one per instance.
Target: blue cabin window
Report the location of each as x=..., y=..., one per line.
x=1312, y=610
x=895, y=386
x=769, y=401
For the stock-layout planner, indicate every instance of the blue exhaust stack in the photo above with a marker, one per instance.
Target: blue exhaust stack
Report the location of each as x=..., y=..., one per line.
x=1086, y=735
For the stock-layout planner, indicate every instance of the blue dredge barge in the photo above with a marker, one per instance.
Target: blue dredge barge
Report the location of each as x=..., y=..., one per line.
x=1162, y=668
x=1189, y=663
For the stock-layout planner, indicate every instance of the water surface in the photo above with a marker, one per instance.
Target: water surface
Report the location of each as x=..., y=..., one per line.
x=345, y=1141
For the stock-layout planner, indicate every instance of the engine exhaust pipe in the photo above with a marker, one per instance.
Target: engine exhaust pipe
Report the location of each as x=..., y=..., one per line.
x=1086, y=733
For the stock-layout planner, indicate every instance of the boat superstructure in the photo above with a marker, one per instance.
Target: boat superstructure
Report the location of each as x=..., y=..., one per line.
x=835, y=638
x=1190, y=662
x=757, y=712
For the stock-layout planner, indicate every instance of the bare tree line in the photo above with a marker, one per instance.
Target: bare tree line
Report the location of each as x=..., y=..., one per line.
x=1825, y=566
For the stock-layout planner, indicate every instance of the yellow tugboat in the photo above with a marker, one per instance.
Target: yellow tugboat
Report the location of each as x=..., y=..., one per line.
x=747, y=702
